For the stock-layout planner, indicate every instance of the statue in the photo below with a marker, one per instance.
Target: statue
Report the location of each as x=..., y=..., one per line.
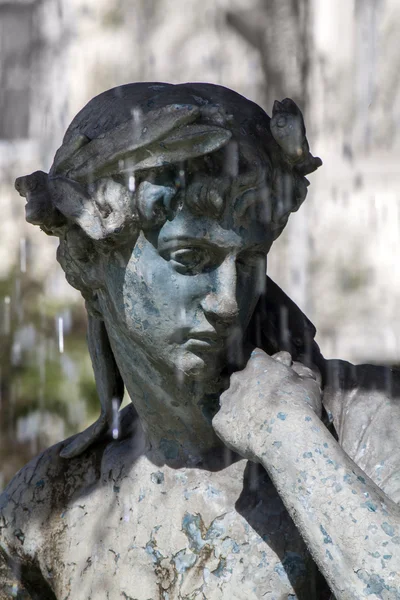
x=247, y=466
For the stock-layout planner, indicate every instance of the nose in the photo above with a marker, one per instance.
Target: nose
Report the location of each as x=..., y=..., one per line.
x=221, y=302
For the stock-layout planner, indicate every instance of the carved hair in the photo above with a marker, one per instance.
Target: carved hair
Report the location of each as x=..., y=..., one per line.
x=97, y=193
x=102, y=188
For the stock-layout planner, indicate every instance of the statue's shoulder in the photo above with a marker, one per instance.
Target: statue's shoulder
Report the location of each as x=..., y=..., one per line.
x=40, y=493
x=28, y=515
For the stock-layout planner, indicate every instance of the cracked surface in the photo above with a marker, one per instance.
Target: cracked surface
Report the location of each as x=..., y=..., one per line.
x=94, y=528
x=111, y=524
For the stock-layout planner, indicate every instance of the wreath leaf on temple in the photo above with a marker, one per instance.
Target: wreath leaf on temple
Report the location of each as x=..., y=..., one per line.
x=164, y=136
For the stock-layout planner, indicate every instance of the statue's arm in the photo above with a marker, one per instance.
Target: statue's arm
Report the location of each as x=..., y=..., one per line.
x=351, y=527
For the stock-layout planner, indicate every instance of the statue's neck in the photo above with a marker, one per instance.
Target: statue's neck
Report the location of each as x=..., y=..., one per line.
x=175, y=411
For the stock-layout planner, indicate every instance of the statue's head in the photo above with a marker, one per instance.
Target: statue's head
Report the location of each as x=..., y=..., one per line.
x=166, y=200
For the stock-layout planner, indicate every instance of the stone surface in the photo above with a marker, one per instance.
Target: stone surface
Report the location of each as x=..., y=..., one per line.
x=166, y=200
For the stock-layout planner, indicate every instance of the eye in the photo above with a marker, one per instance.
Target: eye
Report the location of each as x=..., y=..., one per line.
x=191, y=261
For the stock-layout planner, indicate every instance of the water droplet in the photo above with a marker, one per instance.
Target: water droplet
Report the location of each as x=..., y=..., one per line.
x=61, y=334
x=7, y=315
x=131, y=183
x=115, y=420
x=22, y=254
x=137, y=117
x=16, y=354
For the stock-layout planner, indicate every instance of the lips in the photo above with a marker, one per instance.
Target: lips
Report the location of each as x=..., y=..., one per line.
x=205, y=339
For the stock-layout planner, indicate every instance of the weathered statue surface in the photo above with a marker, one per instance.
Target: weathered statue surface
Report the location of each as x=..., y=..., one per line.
x=248, y=466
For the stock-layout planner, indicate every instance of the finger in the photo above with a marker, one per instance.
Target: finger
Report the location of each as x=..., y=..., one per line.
x=261, y=362
x=304, y=371
x=305, y=361
x=258, y=362
x=258, y=354
x=283, y=357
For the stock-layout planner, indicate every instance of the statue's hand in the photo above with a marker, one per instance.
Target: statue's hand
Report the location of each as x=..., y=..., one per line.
x=267, y=389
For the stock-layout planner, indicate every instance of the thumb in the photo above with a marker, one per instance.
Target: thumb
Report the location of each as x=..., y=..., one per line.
x=283, y=357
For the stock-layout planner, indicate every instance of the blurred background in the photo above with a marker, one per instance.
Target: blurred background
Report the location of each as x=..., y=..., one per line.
x=338, y=258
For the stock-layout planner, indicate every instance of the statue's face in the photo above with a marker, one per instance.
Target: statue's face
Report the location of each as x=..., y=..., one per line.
x=185, y=294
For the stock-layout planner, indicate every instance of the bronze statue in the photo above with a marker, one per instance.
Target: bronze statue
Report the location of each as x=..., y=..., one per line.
x=247, y=466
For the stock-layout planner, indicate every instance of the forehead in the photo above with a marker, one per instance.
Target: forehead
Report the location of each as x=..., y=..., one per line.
x=224, y=233
x=223, y=198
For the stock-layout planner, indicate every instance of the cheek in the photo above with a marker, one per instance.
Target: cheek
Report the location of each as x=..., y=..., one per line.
x=148, y=290
x=152, y=297
x=131, y=298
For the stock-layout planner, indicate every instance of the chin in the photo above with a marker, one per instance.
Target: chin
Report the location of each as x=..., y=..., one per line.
x=195, y=367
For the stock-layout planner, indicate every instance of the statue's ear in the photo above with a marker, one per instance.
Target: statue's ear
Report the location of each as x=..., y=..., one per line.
x=154, y=203
x=110, y=388
x=279, y=324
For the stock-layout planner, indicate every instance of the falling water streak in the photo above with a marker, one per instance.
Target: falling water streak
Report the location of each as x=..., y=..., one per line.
x=42, y=353
x=42, y=371
x=284, y=329
x=253, y=476
x=182, y=178
x=132, y=183
x=42, y=312
x=126, y=513
x=34, y=443
x=228, y=454
x=7, y=315
x=179, y=373
x=261, y=277
x=235, y=346
x=16, y=354
x=231, y=161
x=137, y=117
x=61, y=334
x=18, y=304
x=220, y=29
x=22, y=254
x=115, y=419
x=11, y=410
